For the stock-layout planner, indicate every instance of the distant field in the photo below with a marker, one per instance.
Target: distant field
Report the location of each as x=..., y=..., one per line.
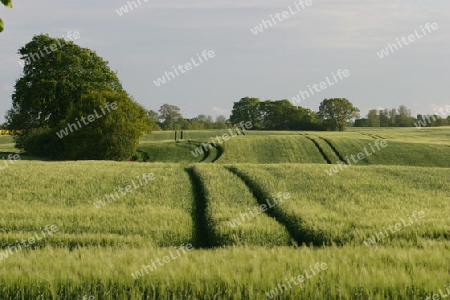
x=428, y=147
x=270, y=149
x=440, y=135
x=218, y=202
x=397, y=152
x=6, y=144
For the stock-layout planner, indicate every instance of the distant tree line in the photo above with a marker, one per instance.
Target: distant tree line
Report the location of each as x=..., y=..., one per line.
x=334, y=114
x=169, y=117
x=400, y=117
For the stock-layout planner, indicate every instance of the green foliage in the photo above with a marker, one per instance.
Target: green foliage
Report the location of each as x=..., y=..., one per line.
x=273, y=115
x=114, y=135
x=170, y=114
x=361, y=123
x=246, y=109
x=7, y=3
x=336, y=112
x=47, y=89
x=282, y=115
x=59, y=87
x=373, y=118
x=394, y=118
x=166, y=151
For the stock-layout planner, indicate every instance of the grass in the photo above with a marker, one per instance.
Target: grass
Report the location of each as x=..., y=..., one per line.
x=230, y=212
x=205, y=135
x=179, y=152
x=397, y=152
x=96, y=250
x=230, y=273
x=64, y=193
x=360, y=201
x=270, y=149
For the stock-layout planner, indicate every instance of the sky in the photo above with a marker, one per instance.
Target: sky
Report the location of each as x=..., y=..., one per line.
x=304, y=46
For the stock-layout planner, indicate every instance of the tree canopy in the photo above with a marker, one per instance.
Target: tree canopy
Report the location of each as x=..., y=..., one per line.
x=7, y=3
x=336, y=112
x=273, y=115
x=169, y=114
x=62, y=86
x=246, y=109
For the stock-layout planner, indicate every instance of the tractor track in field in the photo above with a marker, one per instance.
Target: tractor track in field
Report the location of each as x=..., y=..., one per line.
x=318, y=147
x=206, y=154
x=374, y=136
x=334, y=149
x=204, y=237
x=369, y=135
x=219, y=152
x=295, y=226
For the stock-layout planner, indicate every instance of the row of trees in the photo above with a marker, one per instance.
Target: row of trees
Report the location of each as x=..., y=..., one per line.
x=333, y=114
x=400, y=117
x=169, y=117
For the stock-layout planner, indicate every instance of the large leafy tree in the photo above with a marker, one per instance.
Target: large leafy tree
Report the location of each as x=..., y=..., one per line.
x=246, y=109
x=336, y=112
x=63, y=82
x=7, y=3
x=54, y=80
x=169, y=114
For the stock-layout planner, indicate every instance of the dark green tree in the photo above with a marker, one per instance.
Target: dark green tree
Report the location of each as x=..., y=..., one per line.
x=336, y=112
x=61, y=86
x=247, y=109
x=282, y=115
x=361, y=123
x=277, y=115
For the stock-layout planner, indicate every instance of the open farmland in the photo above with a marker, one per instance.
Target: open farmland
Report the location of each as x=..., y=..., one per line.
x=244, y=240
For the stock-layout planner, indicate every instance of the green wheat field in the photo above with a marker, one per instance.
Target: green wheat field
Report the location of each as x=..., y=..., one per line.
x=261, y=216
